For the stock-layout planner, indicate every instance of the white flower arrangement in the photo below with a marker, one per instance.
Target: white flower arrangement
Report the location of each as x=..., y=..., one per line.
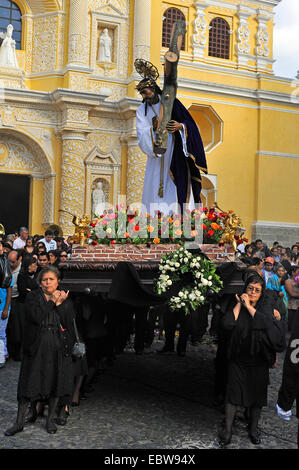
x=202, y=279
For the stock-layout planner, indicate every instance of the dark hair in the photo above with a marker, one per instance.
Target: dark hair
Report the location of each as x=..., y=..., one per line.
x=55, y=253
x=49, y=232
x=44, y=253
x=255, y=261
x=255, y=278
x=48, y=269
x=28, y=261
x=258, y=240
x=247, y=247
x=294, y=246
x=29, y=238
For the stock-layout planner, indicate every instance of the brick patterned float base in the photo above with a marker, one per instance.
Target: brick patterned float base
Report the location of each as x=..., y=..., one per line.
x=144, y=253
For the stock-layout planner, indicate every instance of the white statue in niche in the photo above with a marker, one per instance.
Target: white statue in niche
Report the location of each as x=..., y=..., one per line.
x=105, y=50
x=98, y=199
x=8, y=56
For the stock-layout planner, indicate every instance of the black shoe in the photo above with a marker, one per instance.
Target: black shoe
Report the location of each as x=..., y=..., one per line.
x=255, y=439
x=13, y=430
x=51, y=427
x=225, y=438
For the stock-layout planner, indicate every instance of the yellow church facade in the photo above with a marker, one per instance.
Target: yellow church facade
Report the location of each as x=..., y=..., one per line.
x=67, y=111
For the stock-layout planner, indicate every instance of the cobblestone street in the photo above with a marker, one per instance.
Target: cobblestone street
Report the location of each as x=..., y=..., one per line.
x=147, y=402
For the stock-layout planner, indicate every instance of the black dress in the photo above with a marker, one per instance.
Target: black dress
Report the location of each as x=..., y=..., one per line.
x=251, y=351
x=46, y=368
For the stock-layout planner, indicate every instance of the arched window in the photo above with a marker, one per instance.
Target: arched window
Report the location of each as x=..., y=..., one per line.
x=171, y=15
x=10, y=13
x=219, y=38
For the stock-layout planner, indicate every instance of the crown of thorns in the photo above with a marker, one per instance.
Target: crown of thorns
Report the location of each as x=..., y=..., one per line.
x=149, y=73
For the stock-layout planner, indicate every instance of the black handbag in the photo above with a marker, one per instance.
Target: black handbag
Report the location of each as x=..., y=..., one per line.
x=5, y=272
x=79, y=349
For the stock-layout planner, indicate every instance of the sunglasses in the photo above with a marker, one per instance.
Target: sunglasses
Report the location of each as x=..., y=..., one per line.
x=254, y=289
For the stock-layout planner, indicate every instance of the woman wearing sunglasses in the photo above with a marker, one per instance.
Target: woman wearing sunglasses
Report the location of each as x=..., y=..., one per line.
x=256, y=335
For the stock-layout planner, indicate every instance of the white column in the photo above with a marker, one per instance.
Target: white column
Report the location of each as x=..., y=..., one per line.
x=142, y=29
x=78, y=33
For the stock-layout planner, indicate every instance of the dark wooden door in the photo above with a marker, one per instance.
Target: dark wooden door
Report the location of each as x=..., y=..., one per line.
x=14, y=201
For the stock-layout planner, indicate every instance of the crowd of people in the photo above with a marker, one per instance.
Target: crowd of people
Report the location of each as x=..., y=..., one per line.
x=38, y=322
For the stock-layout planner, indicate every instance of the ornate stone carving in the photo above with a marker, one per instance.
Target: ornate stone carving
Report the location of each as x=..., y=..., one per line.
x=199, y=38
x=262, y=36
x=44, y=43
x=72, y=180
x=135, y=173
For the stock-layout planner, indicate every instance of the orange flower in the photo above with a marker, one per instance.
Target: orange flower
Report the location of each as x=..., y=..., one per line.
x=176, y=223
x=156, y=241
x=193, y=233
x=215, y=226
x=170, y=220
x=150, y=228
x=127, y=234
x=178, y=232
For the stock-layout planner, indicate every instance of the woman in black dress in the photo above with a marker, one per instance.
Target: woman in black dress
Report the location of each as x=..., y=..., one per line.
x=256, y=336
x=46, y=368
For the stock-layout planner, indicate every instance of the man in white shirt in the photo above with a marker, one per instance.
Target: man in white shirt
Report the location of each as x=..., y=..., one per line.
x=20, y=242
x=50, y=244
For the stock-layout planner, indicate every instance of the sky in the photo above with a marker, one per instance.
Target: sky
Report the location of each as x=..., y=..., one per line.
x=286, y=39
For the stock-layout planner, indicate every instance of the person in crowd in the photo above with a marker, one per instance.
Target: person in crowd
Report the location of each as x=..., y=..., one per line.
x=292, y=289
x=289, y=388
x=49, y=241
x=20, y=242
x=274, y=245
x=14, y=326
x=293, y=259
x=7, y=247
x=29, y=247
x=295, y=250
x=63, y=256
x=276, y=283
x=27, y=277
x=60, y=243
x=267, y=270
x=261, y=249
x=247, y=256
x=39, y=247
x=275, y=254
x=43, y=260
x=46, y=368
x=54, y=257
x=255, y=338
x=256, y=266
x=286, y=261
x=5, y=304
x=26, y=283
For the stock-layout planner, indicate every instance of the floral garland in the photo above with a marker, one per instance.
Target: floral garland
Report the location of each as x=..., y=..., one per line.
x=201, y=281
x=123, y=226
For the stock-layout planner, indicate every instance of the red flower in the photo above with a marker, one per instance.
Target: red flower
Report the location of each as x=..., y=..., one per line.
x=210, y=216
x=113, y=242
x=211, y=232
x=93, y=224
x=128, y=240
x=221, y=244
x=245, y=240
x=204, y=227
x=94, y=242
x=205, y=209
x=136, y=228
